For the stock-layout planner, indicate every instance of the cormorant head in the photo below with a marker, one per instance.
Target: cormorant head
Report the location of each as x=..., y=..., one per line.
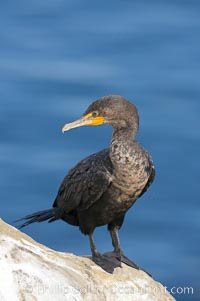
x=114, y=110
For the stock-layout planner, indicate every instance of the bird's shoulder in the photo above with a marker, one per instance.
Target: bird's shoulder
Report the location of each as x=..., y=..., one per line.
x=95, y=163
x=85, y=182
x=152, y=172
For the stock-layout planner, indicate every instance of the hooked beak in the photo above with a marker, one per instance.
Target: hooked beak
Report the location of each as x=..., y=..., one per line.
x=85, y=120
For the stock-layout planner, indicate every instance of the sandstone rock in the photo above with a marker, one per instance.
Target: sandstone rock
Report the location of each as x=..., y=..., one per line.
x=30, y=271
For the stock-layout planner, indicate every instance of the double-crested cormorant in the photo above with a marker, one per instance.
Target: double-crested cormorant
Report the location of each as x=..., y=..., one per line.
x=101, y=188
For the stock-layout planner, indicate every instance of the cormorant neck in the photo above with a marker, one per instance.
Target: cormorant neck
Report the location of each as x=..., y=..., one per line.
x=124, y=134
x=121, y=148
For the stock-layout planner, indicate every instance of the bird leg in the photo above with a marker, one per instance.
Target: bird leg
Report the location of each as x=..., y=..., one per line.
x=115, y=241
x=93, y=248
x=107, y=263
x=117, y=249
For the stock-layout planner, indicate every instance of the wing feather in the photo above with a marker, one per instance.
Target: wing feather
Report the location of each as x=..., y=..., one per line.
x=85, y=183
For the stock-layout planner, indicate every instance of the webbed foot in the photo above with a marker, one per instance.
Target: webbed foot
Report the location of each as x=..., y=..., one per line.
x=120, y=257
x=107, y=263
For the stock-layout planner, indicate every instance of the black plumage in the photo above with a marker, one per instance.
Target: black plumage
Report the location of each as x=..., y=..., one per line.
x=101, y=188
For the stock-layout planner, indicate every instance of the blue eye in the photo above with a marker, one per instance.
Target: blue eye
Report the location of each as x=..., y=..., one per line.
x=94, y=114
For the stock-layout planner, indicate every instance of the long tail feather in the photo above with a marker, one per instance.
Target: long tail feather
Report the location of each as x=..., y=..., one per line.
x=40, y=216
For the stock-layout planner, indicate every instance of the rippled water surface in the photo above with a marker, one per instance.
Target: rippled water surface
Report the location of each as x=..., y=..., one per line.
x=58, y=56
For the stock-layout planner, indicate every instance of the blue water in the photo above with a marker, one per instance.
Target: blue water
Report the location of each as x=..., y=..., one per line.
x=55, y=58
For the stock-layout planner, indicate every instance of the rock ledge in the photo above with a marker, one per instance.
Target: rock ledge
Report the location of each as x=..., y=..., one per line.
x=31, y=271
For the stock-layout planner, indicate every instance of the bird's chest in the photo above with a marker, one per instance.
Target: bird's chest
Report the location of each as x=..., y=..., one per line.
x=130, y=174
